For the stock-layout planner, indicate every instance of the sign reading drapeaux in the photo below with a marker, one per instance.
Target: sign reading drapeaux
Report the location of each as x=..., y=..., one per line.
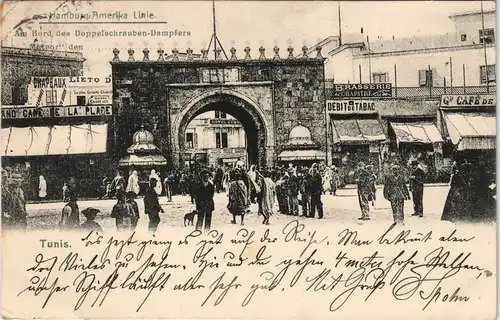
x=468, y=100
x=350, y=106
x=362, y=90
x=56, y=112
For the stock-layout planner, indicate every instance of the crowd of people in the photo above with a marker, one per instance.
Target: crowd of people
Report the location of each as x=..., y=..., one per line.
x=297, y=191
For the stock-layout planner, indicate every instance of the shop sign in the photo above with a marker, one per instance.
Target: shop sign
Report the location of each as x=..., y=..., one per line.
x=362, y=90
x=82, y=111
x=468, y=100
x=224, y=121
x=26, y=113
x=350, y=106
x=65, y=82
x=56, y=112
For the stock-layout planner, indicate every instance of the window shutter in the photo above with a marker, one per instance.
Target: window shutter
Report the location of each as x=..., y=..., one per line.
x=422, y=81
x=195, y=140
x=435, y=80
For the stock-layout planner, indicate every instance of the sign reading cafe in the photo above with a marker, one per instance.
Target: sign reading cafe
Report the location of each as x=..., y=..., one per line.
x=468, y=100
x=350, y=106
x=56, y=112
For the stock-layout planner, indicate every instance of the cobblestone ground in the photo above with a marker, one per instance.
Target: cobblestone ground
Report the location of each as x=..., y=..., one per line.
x=339, y=208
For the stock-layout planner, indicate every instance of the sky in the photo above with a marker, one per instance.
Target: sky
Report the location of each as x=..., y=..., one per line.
x=239, y=24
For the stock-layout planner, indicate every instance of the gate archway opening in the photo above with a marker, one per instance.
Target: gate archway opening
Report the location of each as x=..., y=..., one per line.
x=246, y=114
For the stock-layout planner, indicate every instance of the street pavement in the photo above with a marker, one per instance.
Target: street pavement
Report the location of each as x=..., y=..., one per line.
x=339, y=208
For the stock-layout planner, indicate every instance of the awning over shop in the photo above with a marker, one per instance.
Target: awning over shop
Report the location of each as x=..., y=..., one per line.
x=357, y=130
x=55, y=140
x=135, y=160
x=472, y=131
x=292, y=155
x=423, y=132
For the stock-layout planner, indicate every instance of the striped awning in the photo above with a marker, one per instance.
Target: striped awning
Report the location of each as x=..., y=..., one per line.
x=308, y=154
x=418, y=133
x=357, y=130
x=55, y=140
x=472, y=131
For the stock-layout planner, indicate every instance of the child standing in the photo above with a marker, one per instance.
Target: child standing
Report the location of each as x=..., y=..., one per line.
x=90, y=224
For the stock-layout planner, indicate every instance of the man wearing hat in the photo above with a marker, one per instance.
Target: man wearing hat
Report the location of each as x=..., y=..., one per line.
x=204, y=198
x=152, y=206
x=395, y=192
x=417, y=188
x=364, y=181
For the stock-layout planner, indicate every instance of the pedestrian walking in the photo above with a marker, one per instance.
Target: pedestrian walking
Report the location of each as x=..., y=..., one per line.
x=218, y=179
x=168, y=184
x=238, y=200
x=417, y=179
x=335, y=181
x=134, y=207
x=316, y=192
x=133, y=183
x=305, y=191
x=15, y=211
x=396, y=192
x=70, y=218
x=293, y=192
x=151, y=206
x=364, y=183
x=254, y=186
x=372, y=179
x=118, y=184
x=267, y=196
x=156, y=176
x=204, y=199
x=42, y=188
x=282, y=194
x=65, y=191
x=122, y=213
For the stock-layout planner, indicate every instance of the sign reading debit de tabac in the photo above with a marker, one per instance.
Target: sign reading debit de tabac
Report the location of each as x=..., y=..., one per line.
x=350, y=106
x=468, y=100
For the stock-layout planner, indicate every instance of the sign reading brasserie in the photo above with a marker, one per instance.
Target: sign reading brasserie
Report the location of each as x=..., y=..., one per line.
x=350, y=106
x=468, y=100
x=56, y=112
x=362, y=90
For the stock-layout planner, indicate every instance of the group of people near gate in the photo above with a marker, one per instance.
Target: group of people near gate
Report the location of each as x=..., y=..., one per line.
x=295, y=190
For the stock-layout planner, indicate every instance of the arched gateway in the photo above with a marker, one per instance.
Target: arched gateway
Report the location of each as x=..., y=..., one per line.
x=258, y=128
x=269, y=96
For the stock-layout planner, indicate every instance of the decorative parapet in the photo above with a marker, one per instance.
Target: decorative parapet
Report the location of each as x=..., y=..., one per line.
x=189, y=57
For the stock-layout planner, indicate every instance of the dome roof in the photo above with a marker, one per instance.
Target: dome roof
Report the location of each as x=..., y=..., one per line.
x=142, y=142
x=300, y=136
x=143, y=136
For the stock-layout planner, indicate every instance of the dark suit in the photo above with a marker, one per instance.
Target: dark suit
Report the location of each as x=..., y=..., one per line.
x=204, y=197
x=152, y=208
x=417, y=190
x=396, y=192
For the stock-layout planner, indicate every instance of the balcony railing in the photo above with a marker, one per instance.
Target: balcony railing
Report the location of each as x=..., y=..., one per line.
x=421, y=92
x=436, y=92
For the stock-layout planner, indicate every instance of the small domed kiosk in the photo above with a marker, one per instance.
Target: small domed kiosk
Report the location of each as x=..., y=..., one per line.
x=301, y=148
x=143, y=155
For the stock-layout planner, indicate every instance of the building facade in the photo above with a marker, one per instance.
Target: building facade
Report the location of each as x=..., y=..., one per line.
x=267, y=95
x=62, y=132
x=215, y=138
x=421, y=66
x=383, y=97
x=20, y=64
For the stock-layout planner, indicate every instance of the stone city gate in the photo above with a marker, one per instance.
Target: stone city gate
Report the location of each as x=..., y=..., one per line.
x=269, y=96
